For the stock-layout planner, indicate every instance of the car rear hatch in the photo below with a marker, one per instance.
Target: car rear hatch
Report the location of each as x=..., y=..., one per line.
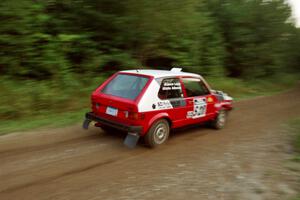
x=113, y=108
x=116, y=99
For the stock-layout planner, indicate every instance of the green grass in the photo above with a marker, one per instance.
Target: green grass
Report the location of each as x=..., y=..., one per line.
x=296, y=198
x=26, y=105
x=48, y=120
x=242, y=89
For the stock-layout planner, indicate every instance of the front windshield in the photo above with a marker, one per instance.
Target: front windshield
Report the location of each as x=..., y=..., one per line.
x=125, y=86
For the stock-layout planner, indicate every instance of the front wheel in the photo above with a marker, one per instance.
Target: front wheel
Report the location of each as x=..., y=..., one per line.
x=158, y=133
x=220, y=120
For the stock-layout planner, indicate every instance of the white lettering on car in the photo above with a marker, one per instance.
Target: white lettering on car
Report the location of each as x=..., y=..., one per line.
x=171, y=86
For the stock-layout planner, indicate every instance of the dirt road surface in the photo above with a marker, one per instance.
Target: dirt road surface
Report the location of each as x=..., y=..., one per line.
x=246, y=160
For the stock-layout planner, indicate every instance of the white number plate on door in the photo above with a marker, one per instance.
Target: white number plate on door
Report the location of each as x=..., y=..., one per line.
x=112, y=111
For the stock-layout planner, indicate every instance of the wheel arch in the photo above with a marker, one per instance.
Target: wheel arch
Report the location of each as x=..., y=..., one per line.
x=158, y=117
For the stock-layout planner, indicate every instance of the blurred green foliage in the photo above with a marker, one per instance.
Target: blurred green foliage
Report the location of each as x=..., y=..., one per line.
x=240, y=38
x=55, y=52
x=28, y=98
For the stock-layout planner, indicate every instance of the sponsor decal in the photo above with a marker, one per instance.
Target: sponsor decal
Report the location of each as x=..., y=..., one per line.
x=190, y=114
x=153, y=106
x=167, y=104
x=199, y=109
x=164, y=105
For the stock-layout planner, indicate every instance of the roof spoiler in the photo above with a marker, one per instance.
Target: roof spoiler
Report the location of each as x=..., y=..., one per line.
x=174, y=69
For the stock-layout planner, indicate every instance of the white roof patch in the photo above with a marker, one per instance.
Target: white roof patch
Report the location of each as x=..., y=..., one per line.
x=160, y=73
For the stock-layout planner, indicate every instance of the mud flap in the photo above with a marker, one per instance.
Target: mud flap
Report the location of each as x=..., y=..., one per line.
x=131, y=140
x=86, y=123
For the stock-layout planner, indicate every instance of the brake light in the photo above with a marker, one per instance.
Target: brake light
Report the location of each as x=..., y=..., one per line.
x=135, y=115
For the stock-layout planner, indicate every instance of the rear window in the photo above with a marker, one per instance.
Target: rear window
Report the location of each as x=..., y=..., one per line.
x=125, y=86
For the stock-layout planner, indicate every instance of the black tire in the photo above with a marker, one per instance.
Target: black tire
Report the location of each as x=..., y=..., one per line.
x=158, y=133
x=220, y=120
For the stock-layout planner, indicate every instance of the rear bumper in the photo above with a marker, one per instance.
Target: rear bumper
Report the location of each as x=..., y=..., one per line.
x=90, y=116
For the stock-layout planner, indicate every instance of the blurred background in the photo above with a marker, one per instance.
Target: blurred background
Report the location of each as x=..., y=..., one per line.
x=55, y=53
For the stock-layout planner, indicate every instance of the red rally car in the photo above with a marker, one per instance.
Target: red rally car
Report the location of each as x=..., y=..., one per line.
x=148, y=103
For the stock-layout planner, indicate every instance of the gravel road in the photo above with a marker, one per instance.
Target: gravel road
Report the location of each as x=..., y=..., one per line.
x=245, y=160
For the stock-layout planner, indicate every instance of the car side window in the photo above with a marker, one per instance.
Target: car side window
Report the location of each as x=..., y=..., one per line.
x=194, y=87
x=170, y=88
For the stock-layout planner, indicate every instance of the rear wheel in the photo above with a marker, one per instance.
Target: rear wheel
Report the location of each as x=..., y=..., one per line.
x=158, y=133
x=220, y=120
